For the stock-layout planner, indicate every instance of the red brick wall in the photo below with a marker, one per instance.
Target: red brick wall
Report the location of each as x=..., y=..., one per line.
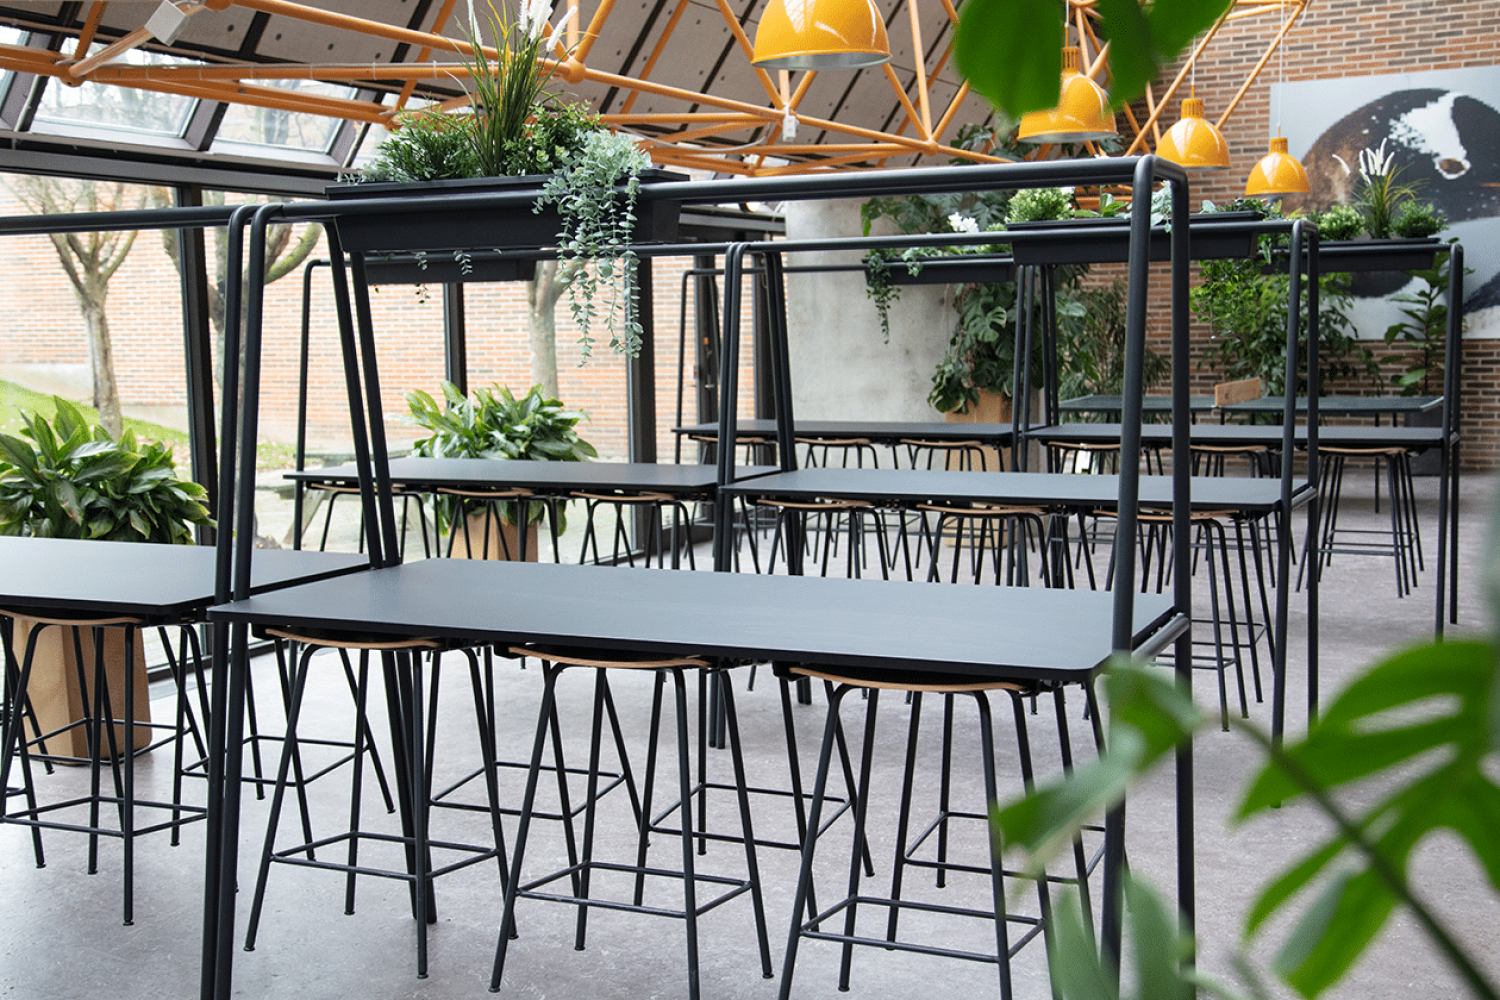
x=1341, y=38
x=43, y=325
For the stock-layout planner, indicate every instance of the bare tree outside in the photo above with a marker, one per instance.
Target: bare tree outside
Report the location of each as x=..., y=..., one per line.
x=283, y=256
x=542, y=293
x=90, y=261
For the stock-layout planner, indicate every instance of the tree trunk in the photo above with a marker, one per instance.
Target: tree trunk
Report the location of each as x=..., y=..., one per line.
x=542, y=293
x=102, y=363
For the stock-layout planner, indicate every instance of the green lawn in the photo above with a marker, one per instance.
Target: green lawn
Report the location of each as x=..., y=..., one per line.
x=16, y=399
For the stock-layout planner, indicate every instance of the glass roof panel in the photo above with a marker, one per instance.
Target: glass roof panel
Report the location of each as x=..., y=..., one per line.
x=8, y=36
x=255, y=126
x=121, y=108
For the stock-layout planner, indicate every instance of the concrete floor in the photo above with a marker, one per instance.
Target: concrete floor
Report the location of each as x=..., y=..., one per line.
x=63, y=937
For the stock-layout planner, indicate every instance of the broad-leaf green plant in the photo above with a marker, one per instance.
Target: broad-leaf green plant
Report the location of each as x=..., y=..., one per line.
x=1247, y=308
x=1417, y=734
x=495, y=423
x=1424, y=328
x=73, y=480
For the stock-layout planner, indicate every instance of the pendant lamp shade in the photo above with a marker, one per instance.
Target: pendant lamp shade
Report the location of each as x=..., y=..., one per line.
x=821, y=34
x=1082, y=113
x=1194, y=142
x=1278, y=172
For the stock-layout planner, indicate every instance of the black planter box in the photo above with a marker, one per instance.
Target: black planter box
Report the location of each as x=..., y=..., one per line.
x=1350, y=256
x=426, y=225
x=953, y=271
x=447, y=267
x=1107, y=240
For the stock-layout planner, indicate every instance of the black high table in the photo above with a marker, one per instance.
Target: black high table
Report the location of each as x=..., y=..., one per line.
x=908, y=487
x=887, y=433
x=1338, y=406
x=1413, y=439
x=875, y=624
x=147, y=584
x=556, y=478
x=161, y=584
x=1119, y=621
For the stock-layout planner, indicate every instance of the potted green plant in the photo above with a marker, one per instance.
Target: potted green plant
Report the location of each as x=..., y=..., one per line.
x=1424, y=330
x=494, y=423
x=73, y=480
x=1244, y=302
x=582, y=182
x=1387, y=227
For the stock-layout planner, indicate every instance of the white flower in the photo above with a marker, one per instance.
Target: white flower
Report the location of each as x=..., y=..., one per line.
x=962, y=223
x=534, y=17
x=1375, y=163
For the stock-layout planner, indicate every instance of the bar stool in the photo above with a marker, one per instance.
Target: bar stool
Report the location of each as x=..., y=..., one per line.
x=808, y=922
x=821, y=452
x=1000, y=536
x=498, y=536
x=1405, y=545
x=964, y=456
x=830, y=517
x=115, y=738
x=656, y=504
x=413, y=732
x=405, y=494
x=579, y=875
x=17, y=711
x=1233, y=627
x=1212, y=460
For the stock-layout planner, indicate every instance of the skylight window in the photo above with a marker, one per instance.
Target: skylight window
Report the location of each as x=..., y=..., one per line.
x=255, y=126
x=94, y=105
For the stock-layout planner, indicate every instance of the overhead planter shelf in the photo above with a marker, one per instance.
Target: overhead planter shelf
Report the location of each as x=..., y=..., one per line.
x=957, y=270
x=1211, y=235
x=1379, y=255
x=422, y=223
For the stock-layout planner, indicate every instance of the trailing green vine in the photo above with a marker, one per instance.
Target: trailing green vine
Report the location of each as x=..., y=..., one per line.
x=596, y=194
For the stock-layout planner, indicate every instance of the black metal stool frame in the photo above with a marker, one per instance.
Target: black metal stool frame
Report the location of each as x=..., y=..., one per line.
x=553, y=666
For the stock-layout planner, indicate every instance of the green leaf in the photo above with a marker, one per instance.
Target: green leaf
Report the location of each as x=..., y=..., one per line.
x=1011, y=52
x=1313, y=959
x=1350, y=742
x=1158, y=945
x=67, y=497
x=1288, y=884
x=1046, y=821
x=1072, y=958
x=1133, y=51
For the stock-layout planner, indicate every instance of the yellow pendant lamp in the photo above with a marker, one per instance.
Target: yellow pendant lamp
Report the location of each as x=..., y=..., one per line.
x=1194, y=142
x=1277, y=173
x=1082, y=113
x=821, y=34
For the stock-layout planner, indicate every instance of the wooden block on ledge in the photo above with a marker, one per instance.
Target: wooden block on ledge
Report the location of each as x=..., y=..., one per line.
x=1242, y=391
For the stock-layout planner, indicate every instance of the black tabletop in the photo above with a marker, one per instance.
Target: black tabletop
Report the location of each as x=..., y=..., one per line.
x=913, y=486
x=1015, y=632
x=1097, y=403
x=1412, y=438
x=138, y=578
x=1341, y=406
x=470, y=473
x=875, y=431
